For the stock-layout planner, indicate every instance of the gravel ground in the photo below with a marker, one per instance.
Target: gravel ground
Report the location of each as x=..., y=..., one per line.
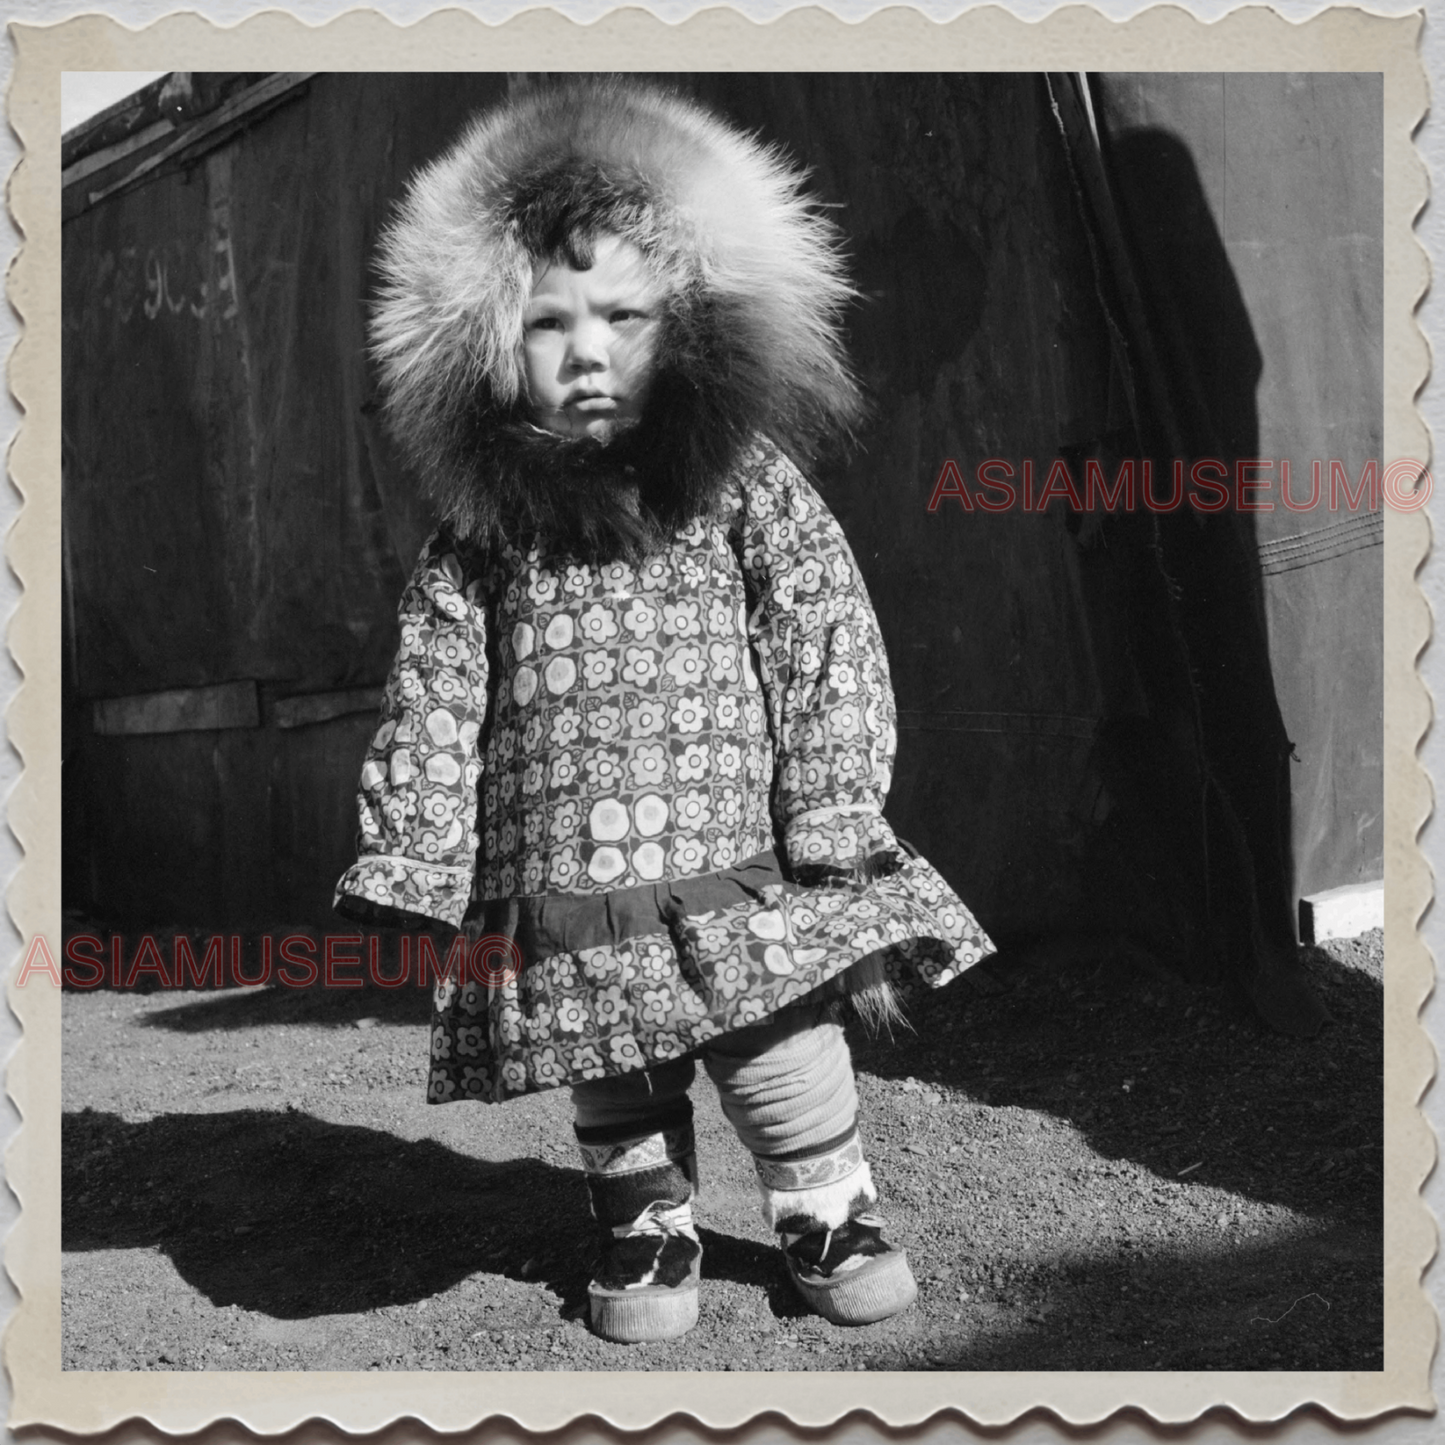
x=1091, y=1166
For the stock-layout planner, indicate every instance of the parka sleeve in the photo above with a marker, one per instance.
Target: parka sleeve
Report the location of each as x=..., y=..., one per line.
x=825, y=680
x=418, y=798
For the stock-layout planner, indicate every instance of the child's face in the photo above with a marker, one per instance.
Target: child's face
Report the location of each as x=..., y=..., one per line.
x=589, y=340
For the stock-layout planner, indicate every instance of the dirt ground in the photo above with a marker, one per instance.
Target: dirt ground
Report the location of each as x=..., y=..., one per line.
x=1091, y=1166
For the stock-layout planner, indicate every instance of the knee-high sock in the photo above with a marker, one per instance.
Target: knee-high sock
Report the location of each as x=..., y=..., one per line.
x=787, y=1088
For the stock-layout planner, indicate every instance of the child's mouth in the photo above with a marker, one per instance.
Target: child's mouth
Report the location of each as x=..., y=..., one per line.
x=593, y=403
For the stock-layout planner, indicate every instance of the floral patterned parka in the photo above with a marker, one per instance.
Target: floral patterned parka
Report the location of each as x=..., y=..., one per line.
x=661, y=784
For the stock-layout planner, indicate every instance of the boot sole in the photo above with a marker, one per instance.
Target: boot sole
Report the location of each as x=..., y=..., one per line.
x=639, y=1316
x=874, y=1291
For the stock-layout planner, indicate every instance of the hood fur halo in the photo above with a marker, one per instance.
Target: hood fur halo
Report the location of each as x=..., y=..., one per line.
x=750, y=331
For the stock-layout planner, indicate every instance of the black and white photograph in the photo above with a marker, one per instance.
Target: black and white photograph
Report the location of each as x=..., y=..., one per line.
x=724, y=721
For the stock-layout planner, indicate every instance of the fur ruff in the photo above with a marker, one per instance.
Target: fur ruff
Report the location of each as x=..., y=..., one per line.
x=750, y=337
x=873, y=998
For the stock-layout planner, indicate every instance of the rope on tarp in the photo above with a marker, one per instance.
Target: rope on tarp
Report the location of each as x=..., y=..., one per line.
x=1320, y=544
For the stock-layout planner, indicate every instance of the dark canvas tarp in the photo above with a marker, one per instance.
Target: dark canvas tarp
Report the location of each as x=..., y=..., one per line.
x=1282, y=174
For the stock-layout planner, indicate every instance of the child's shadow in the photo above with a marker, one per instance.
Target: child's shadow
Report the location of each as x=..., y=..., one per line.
x=295, y=1217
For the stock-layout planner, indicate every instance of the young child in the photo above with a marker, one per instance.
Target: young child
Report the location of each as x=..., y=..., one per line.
x=640, y=723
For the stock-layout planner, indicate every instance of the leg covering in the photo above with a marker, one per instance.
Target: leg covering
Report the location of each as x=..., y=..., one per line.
x=641, y=1188
x=787, y=1088
x=628, y=1172
x=819, y=1190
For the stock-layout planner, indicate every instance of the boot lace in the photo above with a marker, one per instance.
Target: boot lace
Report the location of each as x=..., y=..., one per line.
x=662, y=1217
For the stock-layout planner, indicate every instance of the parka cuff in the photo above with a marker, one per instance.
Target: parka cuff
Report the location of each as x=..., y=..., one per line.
x=403, y=889
x=841, y=845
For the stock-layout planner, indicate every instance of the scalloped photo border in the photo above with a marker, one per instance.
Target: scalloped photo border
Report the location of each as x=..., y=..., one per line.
x=1075, y=39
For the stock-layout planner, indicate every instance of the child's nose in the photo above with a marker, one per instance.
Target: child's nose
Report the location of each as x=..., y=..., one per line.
x=589, y=346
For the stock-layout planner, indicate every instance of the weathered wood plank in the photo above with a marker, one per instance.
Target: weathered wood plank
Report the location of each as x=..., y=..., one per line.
x=271, y=90
x=319, y=707
x=179, y=710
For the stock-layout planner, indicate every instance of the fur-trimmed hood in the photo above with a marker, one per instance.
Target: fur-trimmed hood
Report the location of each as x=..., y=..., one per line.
x=750, y=339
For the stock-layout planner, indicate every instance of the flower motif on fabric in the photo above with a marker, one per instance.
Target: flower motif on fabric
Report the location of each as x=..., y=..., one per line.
x=598, y=624
x=630, y=739
x=687, y=666
x=625, y=1054
x=547, y=1068
x=693, y=808
x=657, y=1005
x=680, y=619
x=723, y=662
x=647, y=717
x=689, y=715
x=639, y=666
x=587, y=1063
x=607, y=1006
x=640, y=618
x=598, y=669
x=605, y=724
x=694, y=762
x=566, y=727
x=653, y=576
x=541, y=587
x=728, y=760
x=603, y=769
x=649, y=766
x=571, y=1017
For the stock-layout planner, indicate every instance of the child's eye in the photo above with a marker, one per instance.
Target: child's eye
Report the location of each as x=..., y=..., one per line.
x=626, y=314
x=545, y=323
